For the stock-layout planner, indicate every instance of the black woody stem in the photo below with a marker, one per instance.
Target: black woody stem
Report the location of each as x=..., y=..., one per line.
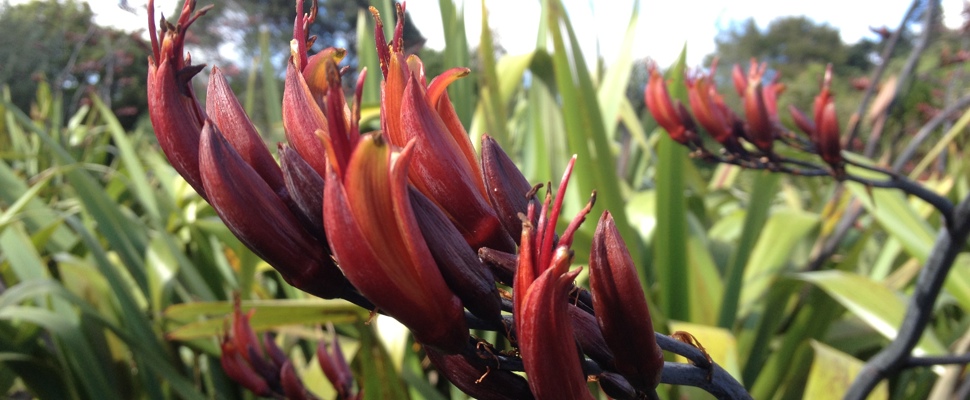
x=928, y=285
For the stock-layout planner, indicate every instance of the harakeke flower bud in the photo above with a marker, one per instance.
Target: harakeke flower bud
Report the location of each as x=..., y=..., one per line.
x=335, y=368
x=760, y=105
x=508, y=190
x=824, y=131
x=711, y=112
x=674, y=119
x=262, y=221
x=463, y=271
x=621, y=308
x=479, y=377
x=445, y=168
x=378, y=244
x=176, y=114
x=542, y=283
x=224, y=109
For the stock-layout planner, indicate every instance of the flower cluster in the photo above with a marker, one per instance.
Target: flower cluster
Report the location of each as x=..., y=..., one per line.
x=406, y=220
x=760, y=127
x=263, y=368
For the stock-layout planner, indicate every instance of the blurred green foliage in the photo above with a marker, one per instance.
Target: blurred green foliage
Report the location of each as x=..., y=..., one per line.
x=116, y=277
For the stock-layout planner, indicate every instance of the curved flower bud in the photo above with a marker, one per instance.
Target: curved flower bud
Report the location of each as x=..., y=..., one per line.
x=334, y=366
x=176, y=114
x=224, y=109
x=445, y=168
x=825, y=130
x=302, y=119
x=378, y=244
x=463, y=271
x=616, y=386
x=621, y=308
x=508, y=190
x=545, y=335
x=477, y=378
x=305, y=188
x=760, y=106
x=263, y=369
x=711, y=112
x=674, y=119
x=262, y=221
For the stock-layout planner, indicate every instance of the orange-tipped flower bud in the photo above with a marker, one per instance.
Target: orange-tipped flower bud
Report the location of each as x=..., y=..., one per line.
x=378, y=244
x=546, y=337
x=674, y=119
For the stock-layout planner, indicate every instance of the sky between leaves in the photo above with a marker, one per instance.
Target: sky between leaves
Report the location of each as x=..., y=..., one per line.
x=662, y=30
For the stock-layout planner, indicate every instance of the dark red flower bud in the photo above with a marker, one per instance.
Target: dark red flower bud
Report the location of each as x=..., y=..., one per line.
x=305, y=188
x=501, y=263
x=508, y=190
x=711, y=112
x=293, y=389
x=463, y=271
x=621, y=308
x=224, y=109
x=176, y=114
x=589, y=337
x=262, y=221
x=445, y=167
x=334, y=366
x=543, y=325
x=616, y=386
x=479, y=378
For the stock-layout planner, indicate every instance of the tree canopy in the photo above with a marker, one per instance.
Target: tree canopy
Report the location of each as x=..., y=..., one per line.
x=59, y=42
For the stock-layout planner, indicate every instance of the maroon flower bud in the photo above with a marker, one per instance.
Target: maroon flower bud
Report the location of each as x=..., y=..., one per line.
x=508, y=190
x=621, y=308
x=616, y=386
x=545, y=335
x=293, y=389
x=589, y=337
x=262, y=221
x=501, y=263
x=176, y=114
x=760, y=106
x=223, y=108
x=460, y=266
x=305, y=187
x=334, y=366
x=479, y=377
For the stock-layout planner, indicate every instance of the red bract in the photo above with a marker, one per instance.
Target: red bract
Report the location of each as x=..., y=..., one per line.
x=378, y=244
x=445, y=167
x=262, y=221
x=711, y=112
x=760, y=105
x=824, y=131
x=174, y=110
x=259, y=366
x=542, y=284
x=674, y=119
x=621, y=308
